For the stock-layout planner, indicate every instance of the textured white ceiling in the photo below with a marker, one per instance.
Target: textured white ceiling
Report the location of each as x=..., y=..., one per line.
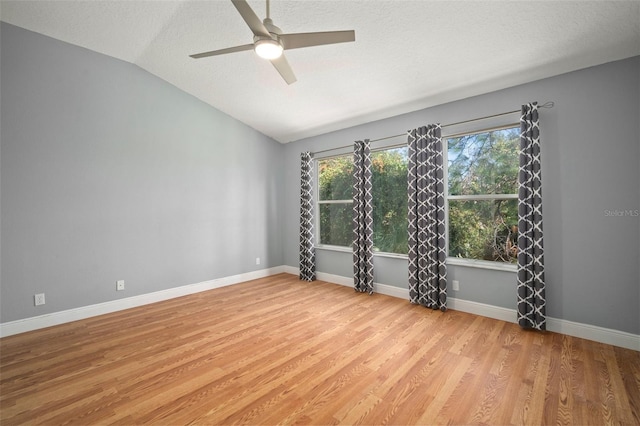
x=407, y=55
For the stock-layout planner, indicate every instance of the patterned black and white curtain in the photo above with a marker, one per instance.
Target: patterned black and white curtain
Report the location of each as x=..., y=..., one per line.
x=307, y=250
x=362, y=218
x=531, y=288
x=427, y=255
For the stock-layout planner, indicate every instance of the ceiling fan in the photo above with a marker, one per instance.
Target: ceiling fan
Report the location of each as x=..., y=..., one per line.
x=269, y=41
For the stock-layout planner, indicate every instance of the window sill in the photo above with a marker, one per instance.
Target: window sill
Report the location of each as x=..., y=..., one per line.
x=390, y=255
x=482, y=264
x=469, y=263
x=350, y=250
x=335, y=248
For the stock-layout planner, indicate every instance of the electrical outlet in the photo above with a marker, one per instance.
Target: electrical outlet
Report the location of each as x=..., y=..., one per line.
x=455, y=285
x=119, y=285
x=257, y=260
x=38, y=299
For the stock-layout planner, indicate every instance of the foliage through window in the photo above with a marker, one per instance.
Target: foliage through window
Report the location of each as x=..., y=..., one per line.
x=482, y=195
x=482, y=200
x=335, y=200
x=389, y=193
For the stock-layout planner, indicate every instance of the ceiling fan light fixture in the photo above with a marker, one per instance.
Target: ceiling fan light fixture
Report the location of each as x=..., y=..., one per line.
x=268, y=49
x=269, y=41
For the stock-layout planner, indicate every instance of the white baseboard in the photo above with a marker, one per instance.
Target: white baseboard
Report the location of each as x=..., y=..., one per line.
x=291, y=270
x=584, y=331
x=482, y=309
x=593, y=332
x=56, y=318
x=389, y=290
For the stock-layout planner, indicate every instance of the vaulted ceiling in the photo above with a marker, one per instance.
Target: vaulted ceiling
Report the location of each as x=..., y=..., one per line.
x=407, y=54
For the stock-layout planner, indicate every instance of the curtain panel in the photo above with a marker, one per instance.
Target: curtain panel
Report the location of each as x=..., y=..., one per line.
x=427, y=244
x=531, y=286
x=362, y=218
x=307, y=249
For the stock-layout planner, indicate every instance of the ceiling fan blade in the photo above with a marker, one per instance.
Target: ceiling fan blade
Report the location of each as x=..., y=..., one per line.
x=283, y=67
x=295, y=41
x=222, y=51
x=250, y=17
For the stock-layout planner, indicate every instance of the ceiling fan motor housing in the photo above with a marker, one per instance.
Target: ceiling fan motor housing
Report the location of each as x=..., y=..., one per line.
x=274, y=33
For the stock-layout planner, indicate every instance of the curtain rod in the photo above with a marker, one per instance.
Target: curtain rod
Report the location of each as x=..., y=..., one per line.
x=545, y=105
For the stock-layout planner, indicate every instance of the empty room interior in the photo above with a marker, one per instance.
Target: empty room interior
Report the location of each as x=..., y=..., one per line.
x=420, y=212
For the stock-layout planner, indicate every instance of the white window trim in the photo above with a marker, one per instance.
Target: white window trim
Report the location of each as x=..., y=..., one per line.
x=482, y=264
x=334, y=248
x=316, y=220
x=318, y=202
x=508, y=123
x=495, y=123
x=482, y=197
x=455, y=261
x=335, y=201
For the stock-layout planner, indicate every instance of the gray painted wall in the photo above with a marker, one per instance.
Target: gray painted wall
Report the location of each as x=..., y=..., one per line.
x=109, y=172
x=591, y=163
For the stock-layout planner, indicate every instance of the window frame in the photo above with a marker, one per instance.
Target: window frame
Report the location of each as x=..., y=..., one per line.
x=499, y=122
x=388, y=143
x=318, y=202
x=508, y=121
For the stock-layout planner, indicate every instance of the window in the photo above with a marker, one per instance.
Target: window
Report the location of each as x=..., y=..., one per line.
x=482, y=171
x=389, y=193
x=482, y=200
x=335, y=200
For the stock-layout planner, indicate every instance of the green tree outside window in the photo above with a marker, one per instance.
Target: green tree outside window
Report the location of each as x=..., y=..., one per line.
x=482, y=197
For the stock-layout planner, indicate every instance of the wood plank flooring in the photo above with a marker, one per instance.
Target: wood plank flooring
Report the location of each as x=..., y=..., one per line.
x=281, y=351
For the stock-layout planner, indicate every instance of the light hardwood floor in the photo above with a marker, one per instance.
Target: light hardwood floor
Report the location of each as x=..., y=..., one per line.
x=281, y=351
